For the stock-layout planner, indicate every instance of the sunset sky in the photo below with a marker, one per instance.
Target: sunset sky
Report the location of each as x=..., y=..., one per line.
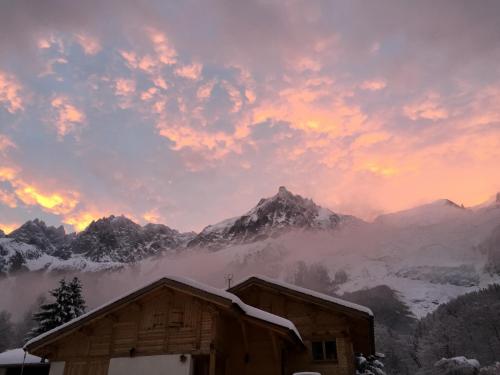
x=188, y=112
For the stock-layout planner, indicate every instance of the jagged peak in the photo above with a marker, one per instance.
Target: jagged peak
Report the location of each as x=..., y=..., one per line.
x=446, y=202
x=284, y=192
x=497, y=200
x=38, y=223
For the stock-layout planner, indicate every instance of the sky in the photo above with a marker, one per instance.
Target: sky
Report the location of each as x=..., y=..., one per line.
x=188, y=112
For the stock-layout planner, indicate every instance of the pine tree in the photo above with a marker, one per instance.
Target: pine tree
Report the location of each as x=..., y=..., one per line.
x=68, y=304
x=76, y=303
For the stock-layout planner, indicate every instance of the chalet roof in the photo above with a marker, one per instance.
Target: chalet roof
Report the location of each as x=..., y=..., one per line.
x=303, y=291
x=220, y=295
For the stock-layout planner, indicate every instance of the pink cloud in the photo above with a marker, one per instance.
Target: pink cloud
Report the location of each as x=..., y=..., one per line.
x=429, y=108
x=10, y=93
x=89, y=44
x=67, y=115
x=191, y=71
x=165, y=51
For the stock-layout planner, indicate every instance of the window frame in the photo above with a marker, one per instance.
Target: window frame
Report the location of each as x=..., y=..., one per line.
x=323, y=347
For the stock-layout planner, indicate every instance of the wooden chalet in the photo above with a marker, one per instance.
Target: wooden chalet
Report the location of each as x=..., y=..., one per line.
x=176, y=326
x=332, y=330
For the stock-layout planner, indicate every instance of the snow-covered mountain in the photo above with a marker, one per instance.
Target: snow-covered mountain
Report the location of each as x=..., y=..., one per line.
x=109, y=242
x=119, y=239
x=427, y=214
x=427, y=254
x=271, y=217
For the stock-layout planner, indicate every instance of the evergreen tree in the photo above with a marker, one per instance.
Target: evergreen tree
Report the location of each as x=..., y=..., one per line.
x=68, y=304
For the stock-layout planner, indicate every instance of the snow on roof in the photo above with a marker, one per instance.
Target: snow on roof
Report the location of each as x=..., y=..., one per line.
x=16, y=356
x=248, y=310
x=309, y=292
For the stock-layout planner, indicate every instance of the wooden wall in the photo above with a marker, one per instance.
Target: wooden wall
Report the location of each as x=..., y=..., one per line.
x=314, y=323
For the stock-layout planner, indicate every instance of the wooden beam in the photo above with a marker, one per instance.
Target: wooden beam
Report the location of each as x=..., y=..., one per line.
x=276, y=351
x=213, y=359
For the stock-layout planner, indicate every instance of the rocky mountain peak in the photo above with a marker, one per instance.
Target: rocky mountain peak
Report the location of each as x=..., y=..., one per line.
x=36, y=232
x=271, y=217
x=497, y=200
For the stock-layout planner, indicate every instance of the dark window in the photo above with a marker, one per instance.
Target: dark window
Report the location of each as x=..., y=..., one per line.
x=331, y=350
x=317, y=351
x=324, y=350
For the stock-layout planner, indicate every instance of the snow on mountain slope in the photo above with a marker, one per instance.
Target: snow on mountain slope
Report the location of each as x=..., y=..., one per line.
x=118, y=239
x=108, y=243
x=271, y=217
x=428, y=214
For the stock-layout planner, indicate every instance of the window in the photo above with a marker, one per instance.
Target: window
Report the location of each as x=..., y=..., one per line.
x=324, y=350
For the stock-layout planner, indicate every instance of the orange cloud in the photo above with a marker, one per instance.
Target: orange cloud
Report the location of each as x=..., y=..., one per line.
x=370, y=138
x=192, y=71
x=7, y=174
x=152, y=216
x=9, y=227
x=79, y=221
x=67, y=115
x=299, y=108
x=89, y=44
x=57, y=203
x=381, y=169
x=10, y=93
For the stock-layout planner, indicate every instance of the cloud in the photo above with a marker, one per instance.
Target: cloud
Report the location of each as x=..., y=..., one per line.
x=8, y=227
x=205, y=90
x=6, y=143
x=57, y=203
x=8, y=199
x=166, y=53
x=373, y=85
x=10, y=93
x=192, y=71
x=80, y=220
x=89, y=44
x=67, y=116
x=152, y=216
x=244, y=96
x=428, y=108
x=124, y=87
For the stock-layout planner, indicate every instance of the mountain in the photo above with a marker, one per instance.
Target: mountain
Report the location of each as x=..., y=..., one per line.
x=270, y=218
x=109, y=242
x=427, y=214
x=119, y=239
x=35, y=232
x=427, y=254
